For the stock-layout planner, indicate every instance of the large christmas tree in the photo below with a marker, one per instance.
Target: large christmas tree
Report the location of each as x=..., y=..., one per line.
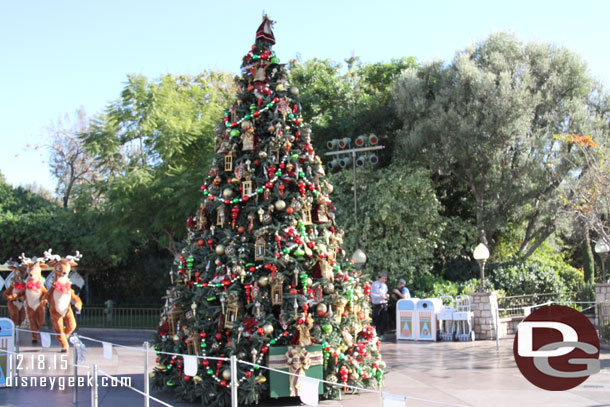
x=263, y=265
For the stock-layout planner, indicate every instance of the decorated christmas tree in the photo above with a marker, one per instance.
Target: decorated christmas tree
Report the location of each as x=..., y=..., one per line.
x=263, y=274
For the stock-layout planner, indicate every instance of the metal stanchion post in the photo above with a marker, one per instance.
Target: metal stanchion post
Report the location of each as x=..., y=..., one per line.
x=94, y=397
x=497, y=329
x=146, y=382
x=75, y=395
x=17, y=340
x=234, y=383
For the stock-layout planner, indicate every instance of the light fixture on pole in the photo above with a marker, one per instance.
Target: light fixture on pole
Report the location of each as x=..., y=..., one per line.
x=359, y=258
x=481, y=254
x=602, y=249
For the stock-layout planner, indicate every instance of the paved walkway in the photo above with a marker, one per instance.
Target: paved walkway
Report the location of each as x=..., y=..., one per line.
x=465, y=374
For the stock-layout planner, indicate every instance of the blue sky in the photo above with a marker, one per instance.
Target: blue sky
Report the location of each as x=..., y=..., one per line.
x=57, y=56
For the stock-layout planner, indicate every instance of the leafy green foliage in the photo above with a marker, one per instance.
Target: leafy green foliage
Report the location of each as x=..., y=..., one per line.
x=398, y=219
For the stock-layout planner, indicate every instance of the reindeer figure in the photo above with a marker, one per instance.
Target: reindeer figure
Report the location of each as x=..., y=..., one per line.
x=60, y=295
x=35, y=294
x=15, y=294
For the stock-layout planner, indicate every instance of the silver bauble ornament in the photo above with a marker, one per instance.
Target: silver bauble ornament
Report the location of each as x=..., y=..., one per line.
x=227, y=193
x=220, y=250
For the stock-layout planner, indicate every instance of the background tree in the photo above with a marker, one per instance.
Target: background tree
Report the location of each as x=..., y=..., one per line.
x=71, y=165
x=488, y=121
x=149, y=148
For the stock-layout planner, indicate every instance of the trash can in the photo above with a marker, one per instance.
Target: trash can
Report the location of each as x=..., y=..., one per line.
x=427, y=311
x=406, y=319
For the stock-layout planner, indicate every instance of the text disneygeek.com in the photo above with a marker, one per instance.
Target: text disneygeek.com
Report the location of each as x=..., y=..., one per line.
x=61, y=382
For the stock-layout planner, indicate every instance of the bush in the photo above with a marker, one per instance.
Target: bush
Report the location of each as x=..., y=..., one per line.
x=525, y=278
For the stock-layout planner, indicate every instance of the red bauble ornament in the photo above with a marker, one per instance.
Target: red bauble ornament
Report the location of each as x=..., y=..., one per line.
x=218, y=336
x=248, y=374
x=289, y=210
x=200, y=242
x=223, y=383
x=187, y=378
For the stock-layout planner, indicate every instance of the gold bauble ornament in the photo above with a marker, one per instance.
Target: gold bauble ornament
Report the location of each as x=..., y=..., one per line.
x=226, y=374
x=220, y=250
x=263, y=281
x=260, y=379
x=268, y=328
x=227, y=193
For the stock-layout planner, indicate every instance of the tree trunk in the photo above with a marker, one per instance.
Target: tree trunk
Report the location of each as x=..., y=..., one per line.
x=589, y=260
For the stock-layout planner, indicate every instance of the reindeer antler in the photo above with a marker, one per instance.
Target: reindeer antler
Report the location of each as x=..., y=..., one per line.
x=25, y=260
x=76, y=257
x=48, y=256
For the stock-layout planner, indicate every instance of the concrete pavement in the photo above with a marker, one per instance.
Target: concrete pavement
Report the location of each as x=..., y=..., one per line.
x=465, y=374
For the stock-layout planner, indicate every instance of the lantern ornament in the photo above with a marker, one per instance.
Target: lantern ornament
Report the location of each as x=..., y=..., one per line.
x=277, y=291
x=193, y=344
x=306, y=214
x=259, y=248
x=246, y=187
x=232, y=311
x=220, y=216
x=229, y=161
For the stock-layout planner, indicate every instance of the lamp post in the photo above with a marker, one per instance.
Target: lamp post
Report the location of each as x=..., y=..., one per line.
x=481, y=254
x=602, y=249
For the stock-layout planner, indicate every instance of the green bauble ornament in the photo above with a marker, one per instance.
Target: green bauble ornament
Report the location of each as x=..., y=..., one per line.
x=235, y=133
x=327, y=328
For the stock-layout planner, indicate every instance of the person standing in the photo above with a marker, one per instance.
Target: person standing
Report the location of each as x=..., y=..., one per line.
x=379, y=299
x=402, y=292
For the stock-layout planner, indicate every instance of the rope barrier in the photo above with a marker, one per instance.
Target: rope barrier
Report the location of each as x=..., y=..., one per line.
x=150, y=351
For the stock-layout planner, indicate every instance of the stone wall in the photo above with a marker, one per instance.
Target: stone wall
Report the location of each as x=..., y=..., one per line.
x=484, y=308
x=508, y=326
x=602, y=292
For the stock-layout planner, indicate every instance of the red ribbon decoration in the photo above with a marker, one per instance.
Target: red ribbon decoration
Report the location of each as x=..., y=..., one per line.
x=34, y=285
x=64, y=288
x=19, y=286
